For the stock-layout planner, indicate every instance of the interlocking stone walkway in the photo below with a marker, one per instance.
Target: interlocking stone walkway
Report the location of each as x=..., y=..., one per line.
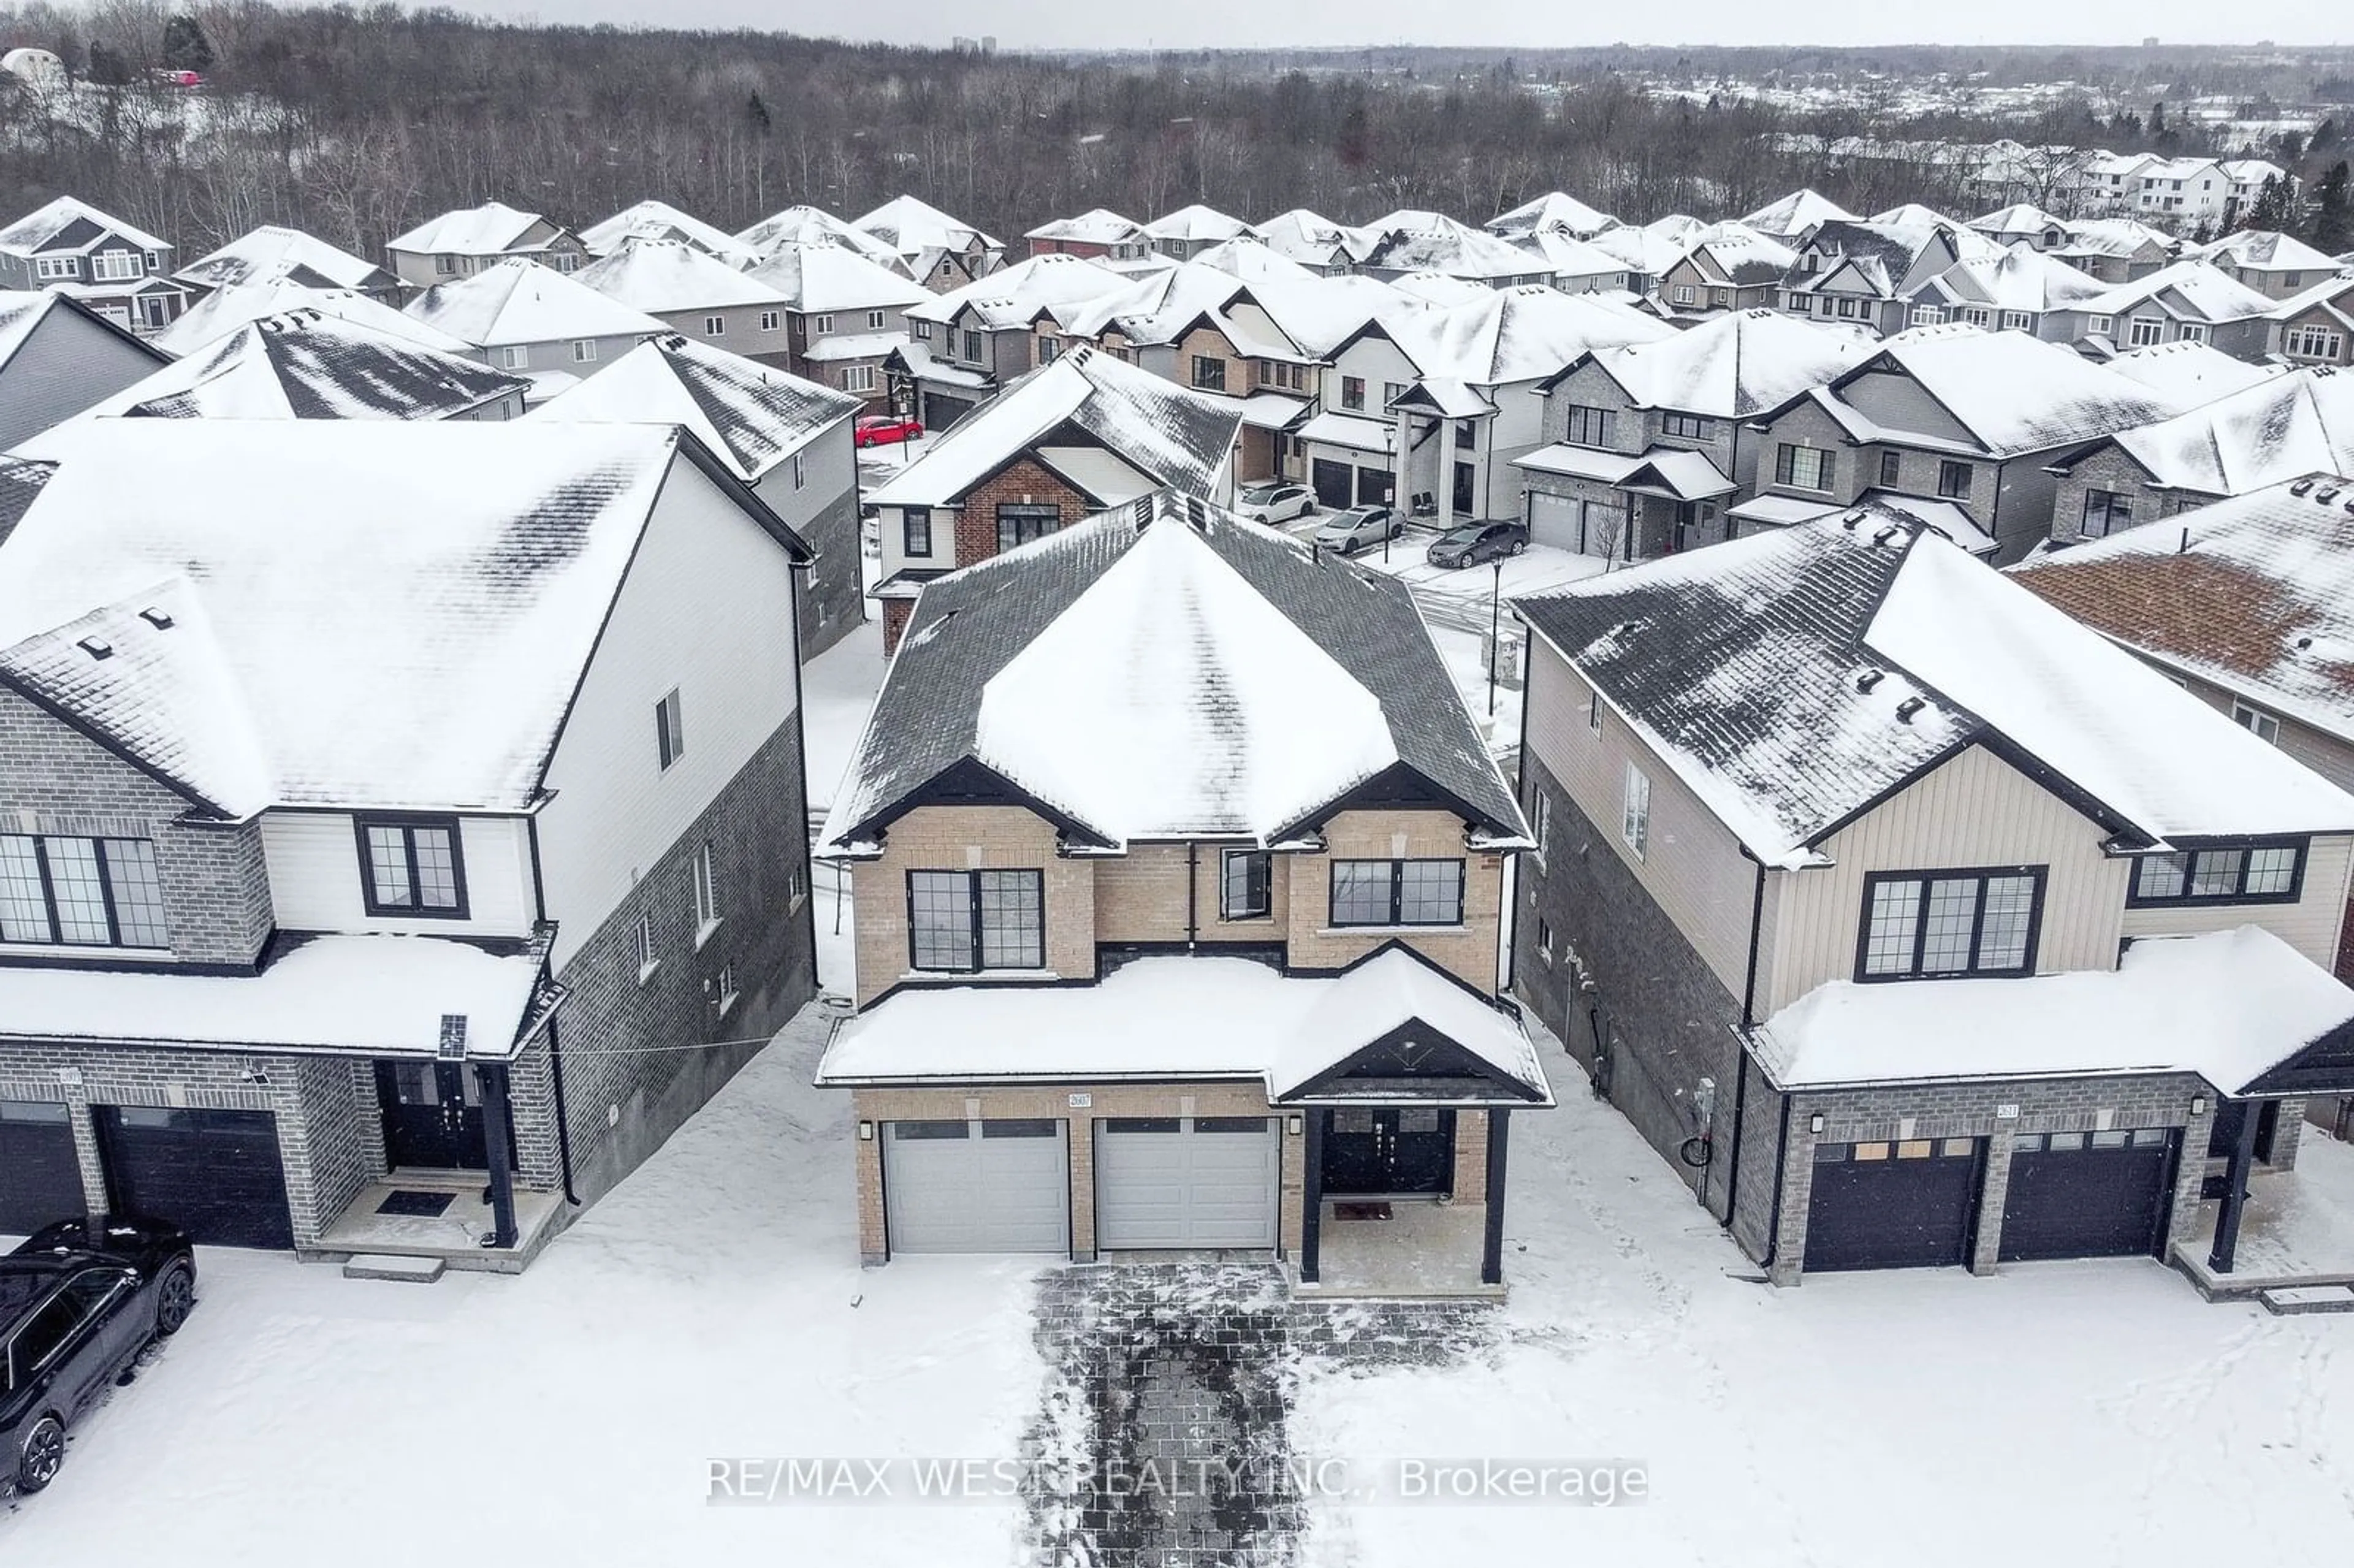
x=1163, y=1418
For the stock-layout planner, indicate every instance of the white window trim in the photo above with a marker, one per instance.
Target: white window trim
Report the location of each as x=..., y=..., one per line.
x=648, y=964
x=707, y=919
x=1635, y=812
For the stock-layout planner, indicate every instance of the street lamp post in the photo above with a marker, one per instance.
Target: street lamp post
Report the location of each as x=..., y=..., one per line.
x=1389, y=461
x=1495, y=626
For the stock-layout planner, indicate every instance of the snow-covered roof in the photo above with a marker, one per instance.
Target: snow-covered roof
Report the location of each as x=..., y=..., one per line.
x=1647, y=250
x=1310, y=237
x=1197, y=223
x=2228, y=1006
x=376, y=995
x=2263, y=250
x=1173, y=436
x=1554, y=210
x=2334, y=297
x=1736, y=366
x=2118, y=239
x=2254, y=594
x=1743, y=254
x=1249, y=257
x=2191, y=289
x=1016, y=295
x=1154, y=308
x=1524, y=333
x=671, y=277
x=1437, y=289
x=814, y=226
x=2296, y=423
x=1096, y=225
x=1566, y=256
x=2021, y=217
x=1187, y=1018
x=2184, y=374
x=453, y=579
x=844, y=346
x=1355, y=431
x=1796, y=213
x=70, y=225
x=1445, y=245
x=232, y=305
x=274, y=252
x=1874, y=506
x=1673, y=471
x=1167, y=670
x=818, y=279
x=660, y=220
x=2018, y=279
x=1320, y=314
x=1969, y=241
x=493, y=228
x=913, y=226
x=520, y=302
x=1794, y=678
x=2011, y=392
x=750, y=415
x=306, y=366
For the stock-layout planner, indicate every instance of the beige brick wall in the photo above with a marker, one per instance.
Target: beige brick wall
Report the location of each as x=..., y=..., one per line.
x=1470, y=1157
x=968, y=838
x=1140, y=896
x=1468, y=951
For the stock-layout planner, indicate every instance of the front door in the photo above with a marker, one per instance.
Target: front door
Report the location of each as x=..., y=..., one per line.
x=432, y=1115
x=1389, y=1150
x=1466, y=483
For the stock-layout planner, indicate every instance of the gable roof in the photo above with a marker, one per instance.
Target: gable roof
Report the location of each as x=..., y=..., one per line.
x=2261, y=249
x=913, y=226
x=658, y=220
x=21, y=312
x=2120, y=239
x=2185, y=375
x=2021, y=217
x=2013, y=393
x=806, y=225
x=1794, y=214
x=274, y=252
x=1172, y=436
x=519, y=301
x=1197, y=222
x=2190, y=287
x=2333, y=296
x=2281, y=426
x=232, y=305
x=1165, y=669
x=669, y=275
x=1249, y=257
x=1017, y=294
x=1734, y=367
x=70, y=225
x=2255, y=594
x=1309, y=237
x=1554, y=210
x=750, y=415
x=1742, y=254
x=493, y=228
x=1096, y=225
x=455, y=577
x=1431, y=242
x=820, y=279
x=1794, y=678
x=2020, y=278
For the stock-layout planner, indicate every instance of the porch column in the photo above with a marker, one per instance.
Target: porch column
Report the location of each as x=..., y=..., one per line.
x=1492, y=1250
x=1311, y=1195
x=492, y=1076
x=2235, y=1192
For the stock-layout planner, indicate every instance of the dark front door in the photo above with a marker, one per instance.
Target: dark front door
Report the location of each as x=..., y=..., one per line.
x=40, y=1176
x=1391, y=1151
x=432, y=1115
x=1906, y=1204
x=1466, y=482
x=214, y=1173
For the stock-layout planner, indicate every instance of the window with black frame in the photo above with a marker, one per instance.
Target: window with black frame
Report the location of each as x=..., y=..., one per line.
x=1019, y=522
x=1397, y=893
x=2272, y=873
x=1245, y=878
x=968, y=920
x=412, y=866
x=80, y=892
x=1924, y=925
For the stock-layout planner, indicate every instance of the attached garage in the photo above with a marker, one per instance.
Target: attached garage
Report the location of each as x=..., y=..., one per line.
x=1554, y=521
x=214, y=1173
x=41, y=1177
x=2089, y=1194
x=977, y=1186
x=1897, y=1205
x=1193, y=1181
x=1332, y=483
x=940, y=410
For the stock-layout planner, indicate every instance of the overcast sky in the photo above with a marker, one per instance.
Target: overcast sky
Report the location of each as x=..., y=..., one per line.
x=1241, y=23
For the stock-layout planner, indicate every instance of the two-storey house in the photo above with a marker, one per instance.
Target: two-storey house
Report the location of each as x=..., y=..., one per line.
x=468, y=240
x=1411, y=241
x=122, y=272
x=2277, y=266
x=1951, y=413
x=1866, y=274
x=694, y=295
x=966, y=344
x=790, y=441
x=2022, y=223
x=1644, y=445
x=653, y=219
x=1187, y=232
x=939, y=251
x=2020, y=290
x=1097, y=234
x=805, y=225
x=1083, y=432
x=1181, y=876
x=1729, y=268
x=232, y=305
x=2184, y=301
x=845, y=315
x=57, y=356
x=540, y=323
x=2113, y=249
x=275, y=251
x=1316, y=242
x=1914, y=922
x=2316, y=326
x=410, y=912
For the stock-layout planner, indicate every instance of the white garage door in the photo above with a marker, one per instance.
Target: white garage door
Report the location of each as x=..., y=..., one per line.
x=1195, y=1182
x=976, y=1186
x=1553, y=520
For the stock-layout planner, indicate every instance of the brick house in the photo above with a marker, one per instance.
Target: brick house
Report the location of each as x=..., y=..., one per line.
x=787, y=440
x=57, y=356
x=460, y=243
x=1084, y=432
x=379, y=918
x=1912, y=922
x=1181, y=877
x=124, y=273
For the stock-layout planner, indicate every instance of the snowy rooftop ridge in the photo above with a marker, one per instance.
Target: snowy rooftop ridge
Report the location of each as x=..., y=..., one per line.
x=751, y=415
x=1734, y=366
x=69, y=224
x=520, y=302
x=492, y=229
x=659, y=275
x=2298, y=422
x=275, y=251
x=232, y=305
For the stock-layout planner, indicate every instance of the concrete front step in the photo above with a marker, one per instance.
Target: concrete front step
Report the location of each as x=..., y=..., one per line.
x=386, y=1265
x=2290, y=1300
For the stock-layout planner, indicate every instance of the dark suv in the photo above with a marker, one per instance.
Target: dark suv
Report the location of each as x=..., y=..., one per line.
x=78, y=1301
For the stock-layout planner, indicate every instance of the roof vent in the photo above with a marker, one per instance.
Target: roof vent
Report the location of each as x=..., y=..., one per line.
x=1907, y=708
x=2302, y=487
x=156, y=619
x=2302, y=643
x=1850, y=520
x=2328, y=495
x=95, y=647
x=1886, y=534
x=1869, y=679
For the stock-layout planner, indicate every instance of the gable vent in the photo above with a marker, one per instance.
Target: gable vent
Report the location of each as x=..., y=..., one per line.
x=156, y=619
x=1907, y=708
x=95, y=647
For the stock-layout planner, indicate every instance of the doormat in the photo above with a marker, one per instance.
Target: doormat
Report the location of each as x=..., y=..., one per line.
x=415, y=1205
x=1361, y=1210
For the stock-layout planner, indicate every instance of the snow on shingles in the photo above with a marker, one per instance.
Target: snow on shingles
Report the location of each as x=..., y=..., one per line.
x=229, y=307
x=749, y=415
x=454, y=577
x=662, y=220
x=1250, y=259
x=2261, y=601
x=1800, y=209
x=2163, y=760
x=21, y=480
x=669, y=275
x=1018, y=294
x=1733, y=366
x=1171, y=700
x=274, y=252
x=2296, y=423
x=2197, y=289
x=1096, y=225
x=1320, y=314
x=380, y=994
x=520, y=302
x=1197, y=222
x=1381, y=995
x=2020, y=278
x=821, y=279
x=913, y=225
x=485, y=230
x=1554, y=210
x=1520, y=334
x=1427, y=242
x=37, y=229
x=2186, y=374
x=2015, y=393
x=2228, y=1006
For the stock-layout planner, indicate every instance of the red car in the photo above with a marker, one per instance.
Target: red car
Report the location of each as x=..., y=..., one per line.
x=881, y=430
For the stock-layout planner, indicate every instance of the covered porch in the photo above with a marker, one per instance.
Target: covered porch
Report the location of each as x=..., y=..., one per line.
x=459, y=1217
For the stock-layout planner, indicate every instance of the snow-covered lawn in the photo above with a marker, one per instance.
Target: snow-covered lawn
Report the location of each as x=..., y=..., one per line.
x=712, y=1306
x=837, y=688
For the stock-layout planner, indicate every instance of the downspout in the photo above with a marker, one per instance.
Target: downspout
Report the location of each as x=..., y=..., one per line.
x=1741, y=1052
x=555, y=1039
x=1774, y=1220
x=1192, y=893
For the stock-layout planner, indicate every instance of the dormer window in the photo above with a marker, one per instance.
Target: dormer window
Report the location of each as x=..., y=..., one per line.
x=412, y=865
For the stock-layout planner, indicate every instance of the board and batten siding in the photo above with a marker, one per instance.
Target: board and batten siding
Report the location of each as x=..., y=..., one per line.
x=1975, y=810
x=2309, y=925
x=315, y=877
x=1693, y=868
x=706, y=608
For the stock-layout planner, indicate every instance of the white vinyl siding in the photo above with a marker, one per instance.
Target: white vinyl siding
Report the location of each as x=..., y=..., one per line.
x=313, y=862
x=2309, y=925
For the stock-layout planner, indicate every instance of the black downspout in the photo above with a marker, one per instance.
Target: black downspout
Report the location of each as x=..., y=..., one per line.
x=2235, y=1196
x=1741, y=1048
x=1312, y=1196
x=555, y=1042
x=1781, y=1161
x=1192, y=893
x=1491, y=1251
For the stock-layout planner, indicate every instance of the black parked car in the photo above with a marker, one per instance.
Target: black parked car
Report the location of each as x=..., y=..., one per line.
x=78, y=1301
x=1476, y=542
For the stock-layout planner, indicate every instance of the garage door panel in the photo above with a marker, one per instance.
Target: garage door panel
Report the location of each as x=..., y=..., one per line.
x=1170, y=1183
x=999, y=1186
x=2099, y=1194
x=40, y=1175
x=217, y=1174
x=1554, y=521
x=1908, y=1204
